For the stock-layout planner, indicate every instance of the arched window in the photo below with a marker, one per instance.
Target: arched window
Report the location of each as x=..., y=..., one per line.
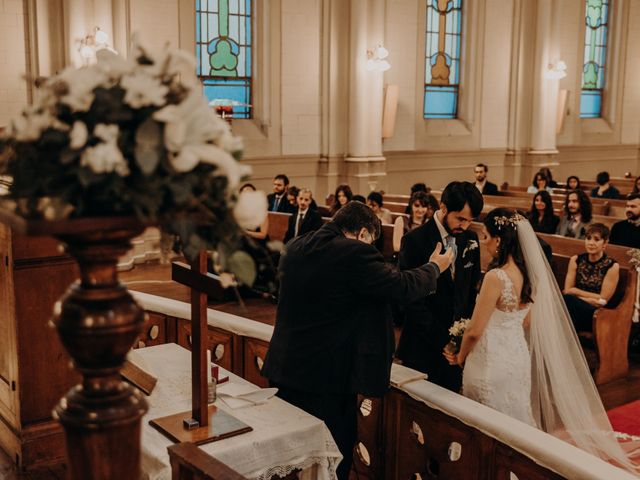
x=442, y=62
x=224, y=52
x=595, y=56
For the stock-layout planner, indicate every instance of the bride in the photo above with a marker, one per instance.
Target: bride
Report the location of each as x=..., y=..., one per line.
x=544, y=381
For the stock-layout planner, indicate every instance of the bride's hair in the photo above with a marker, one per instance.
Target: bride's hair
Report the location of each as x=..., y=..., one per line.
x=501, y=222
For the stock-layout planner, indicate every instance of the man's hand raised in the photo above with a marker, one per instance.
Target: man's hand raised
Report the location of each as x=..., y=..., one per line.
x=443, y=261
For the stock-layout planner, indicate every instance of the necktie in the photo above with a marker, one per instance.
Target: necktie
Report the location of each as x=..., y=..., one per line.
x=300, y=217
x=451, y=243
x=276, y=203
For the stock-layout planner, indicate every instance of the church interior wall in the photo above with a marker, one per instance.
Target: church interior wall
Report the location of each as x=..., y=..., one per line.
x=301, y=93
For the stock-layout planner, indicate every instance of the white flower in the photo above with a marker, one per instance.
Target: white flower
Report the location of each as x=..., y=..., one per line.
x=28, y=126
x=227, y=280
x=105, y=158
x=113, y=64
x=78, y=135
x=143, y=90
x=108, y=133
x=472, y=245
x=79, y=85
x=193, y=133
x=250, y=209
x=184, y=64
x=458, y=327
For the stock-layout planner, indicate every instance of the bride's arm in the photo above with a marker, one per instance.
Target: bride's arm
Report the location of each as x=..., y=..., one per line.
x=485, y=305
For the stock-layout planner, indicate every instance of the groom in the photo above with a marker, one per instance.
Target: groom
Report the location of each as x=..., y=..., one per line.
x=426, y=330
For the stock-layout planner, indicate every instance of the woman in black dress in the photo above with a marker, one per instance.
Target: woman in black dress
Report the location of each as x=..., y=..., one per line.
x=541, y=215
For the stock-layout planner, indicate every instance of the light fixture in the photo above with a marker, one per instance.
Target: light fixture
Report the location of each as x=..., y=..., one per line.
x=556, y=70
x=376, y=59
x=89, y=45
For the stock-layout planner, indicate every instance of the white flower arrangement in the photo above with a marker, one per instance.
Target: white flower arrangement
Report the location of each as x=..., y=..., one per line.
x=130, y=136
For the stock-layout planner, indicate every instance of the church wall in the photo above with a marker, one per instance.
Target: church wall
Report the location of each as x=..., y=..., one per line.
x=13, y=90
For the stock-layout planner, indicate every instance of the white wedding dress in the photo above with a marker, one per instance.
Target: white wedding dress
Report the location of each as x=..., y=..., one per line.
x=497, y=372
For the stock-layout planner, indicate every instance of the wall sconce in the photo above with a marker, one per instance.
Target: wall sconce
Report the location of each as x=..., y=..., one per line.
x=89, y=45
x=376, y=60
x=556, y=70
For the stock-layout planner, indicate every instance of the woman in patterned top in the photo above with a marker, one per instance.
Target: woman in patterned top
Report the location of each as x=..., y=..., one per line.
x=591, y=279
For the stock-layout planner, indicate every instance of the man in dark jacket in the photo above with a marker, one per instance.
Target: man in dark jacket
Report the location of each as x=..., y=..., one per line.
x=427, y=322
x=277, y=200
x=333, y=336
x=482, y=184
x=304, y=219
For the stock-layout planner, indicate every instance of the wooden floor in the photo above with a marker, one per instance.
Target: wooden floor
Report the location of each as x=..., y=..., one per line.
x=156, y=279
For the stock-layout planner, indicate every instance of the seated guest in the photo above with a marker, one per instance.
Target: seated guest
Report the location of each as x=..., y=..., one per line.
x=627, y=232
x=342, y=196
x=541, y=215
x=577, y=215
x=636, y=186
x=540, y=182
x=419, y=187
x=604, y=188
x=292, y=197
x=547, y=173
x=573, y=183
x=278, y=199
x=261, y=233
x=416, y=187
x=304, y=219
x=482, y=184
x=374, y=200
x=591, y=279
x=422, y=206
x=359, y=198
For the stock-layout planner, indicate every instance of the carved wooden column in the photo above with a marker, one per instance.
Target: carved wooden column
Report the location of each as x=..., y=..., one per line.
x=98, y=322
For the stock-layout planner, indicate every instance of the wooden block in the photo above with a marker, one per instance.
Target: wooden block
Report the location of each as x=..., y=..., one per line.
x=221, y=425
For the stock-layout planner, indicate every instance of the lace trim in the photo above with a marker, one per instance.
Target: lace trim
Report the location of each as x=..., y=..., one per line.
x=508, y=301
x=329, y=463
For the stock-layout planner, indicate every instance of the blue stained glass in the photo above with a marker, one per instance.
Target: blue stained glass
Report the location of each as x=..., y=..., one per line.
x=590, y=103
x=224, y=47
x=442, y=59
x=596, y=18
x=440, y=102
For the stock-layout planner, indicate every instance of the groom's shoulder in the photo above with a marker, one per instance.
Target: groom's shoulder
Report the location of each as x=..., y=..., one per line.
x=470, y=235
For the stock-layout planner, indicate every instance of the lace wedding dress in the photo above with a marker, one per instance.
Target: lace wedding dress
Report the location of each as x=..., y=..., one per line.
x=497, y=372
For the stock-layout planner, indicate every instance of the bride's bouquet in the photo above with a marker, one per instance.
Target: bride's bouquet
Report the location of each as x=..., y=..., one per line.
x=456, y=331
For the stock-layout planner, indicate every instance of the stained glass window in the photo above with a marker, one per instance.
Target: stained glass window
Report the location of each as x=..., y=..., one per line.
x=442, y=63
x=224, y=52
x=595, y=56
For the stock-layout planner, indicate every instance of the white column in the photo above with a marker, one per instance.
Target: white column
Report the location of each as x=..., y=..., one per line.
x=545, y=90
x=365, y=88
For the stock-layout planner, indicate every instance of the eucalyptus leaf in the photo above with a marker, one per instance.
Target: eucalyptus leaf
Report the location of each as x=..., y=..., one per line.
x=148, y=146
x=243, y=267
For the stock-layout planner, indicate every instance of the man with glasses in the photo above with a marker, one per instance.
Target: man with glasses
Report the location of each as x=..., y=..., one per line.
x=333, y=336
x=427, y=321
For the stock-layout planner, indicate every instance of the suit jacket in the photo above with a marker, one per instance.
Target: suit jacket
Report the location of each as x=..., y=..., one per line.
x=565, y=230
x=333, y=331
x=311, y=221
x=427, y=322
x=284, y=206
x=490, y=188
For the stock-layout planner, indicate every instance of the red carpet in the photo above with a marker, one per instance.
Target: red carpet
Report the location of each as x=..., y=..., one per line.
x=626, y=419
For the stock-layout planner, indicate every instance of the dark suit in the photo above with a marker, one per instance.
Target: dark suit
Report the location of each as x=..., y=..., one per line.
x=490, y=189
x=427, y=322
x=311, y=221
x=283, y=206
x=333, y=336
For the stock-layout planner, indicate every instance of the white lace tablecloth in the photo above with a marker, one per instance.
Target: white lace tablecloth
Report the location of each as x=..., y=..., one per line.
x=284, y=437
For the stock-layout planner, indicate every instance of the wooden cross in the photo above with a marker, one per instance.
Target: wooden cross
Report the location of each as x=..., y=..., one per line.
x=199, y=428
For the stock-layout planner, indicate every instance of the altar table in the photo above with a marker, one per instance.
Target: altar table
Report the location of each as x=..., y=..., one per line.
x=284, y=438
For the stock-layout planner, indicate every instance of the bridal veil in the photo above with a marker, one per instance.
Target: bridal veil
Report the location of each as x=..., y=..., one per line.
x=564, y=397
